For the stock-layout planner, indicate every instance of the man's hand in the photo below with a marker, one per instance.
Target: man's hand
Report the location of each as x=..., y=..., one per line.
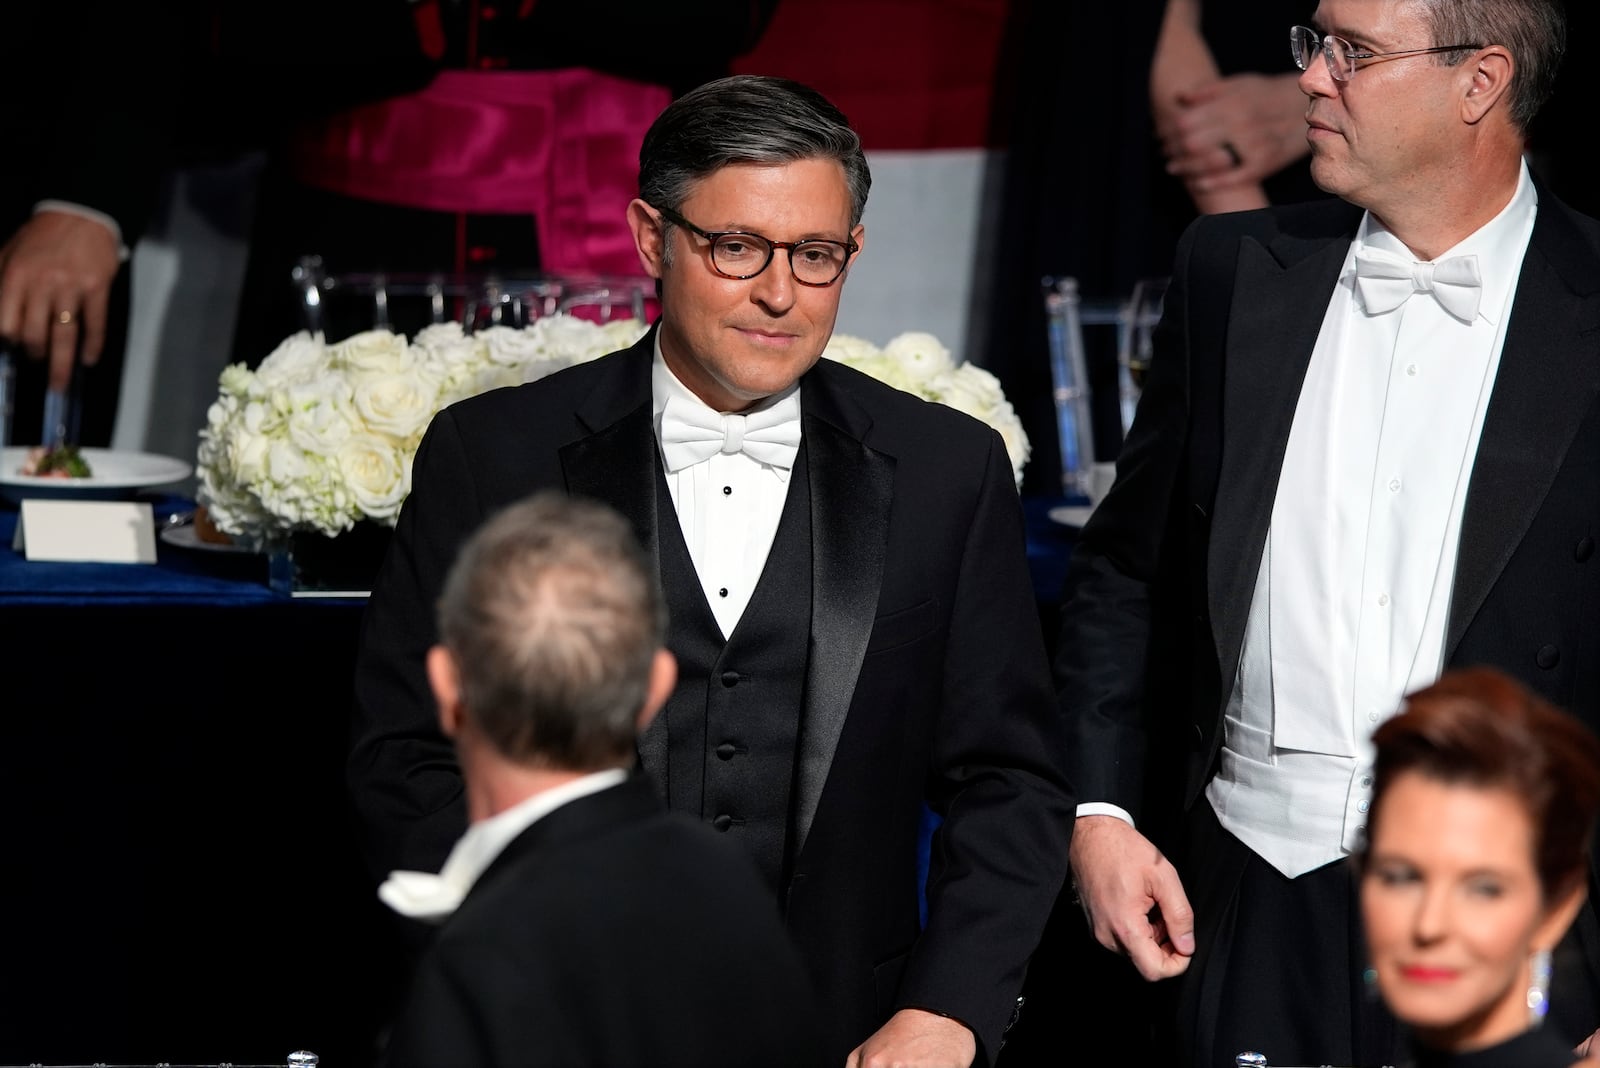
x=1132, y=896
x=1589, y=1047
x=1235, y=131
x=58, y=266
x=916, y=1039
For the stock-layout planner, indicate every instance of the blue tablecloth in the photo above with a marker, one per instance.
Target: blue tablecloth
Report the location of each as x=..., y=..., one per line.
x=180, y=576
x=200, y=577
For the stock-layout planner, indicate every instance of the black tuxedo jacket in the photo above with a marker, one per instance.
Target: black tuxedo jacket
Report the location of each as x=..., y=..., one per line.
x=1160, y=585
x=926, y=677
x=610, y=933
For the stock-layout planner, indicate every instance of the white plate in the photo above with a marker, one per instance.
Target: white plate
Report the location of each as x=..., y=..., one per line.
x=1072, y=515
x=186, y=537
x=115, y=474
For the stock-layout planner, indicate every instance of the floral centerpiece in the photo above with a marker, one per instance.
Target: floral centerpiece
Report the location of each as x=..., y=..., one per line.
x=919, y=364
x=321, y=437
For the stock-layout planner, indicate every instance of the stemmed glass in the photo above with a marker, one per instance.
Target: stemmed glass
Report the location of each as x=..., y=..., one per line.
x=495, y=306
x=1134, y=346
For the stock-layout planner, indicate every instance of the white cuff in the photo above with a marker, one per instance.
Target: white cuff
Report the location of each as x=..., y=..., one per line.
x=83, y=211
x=1105, y=808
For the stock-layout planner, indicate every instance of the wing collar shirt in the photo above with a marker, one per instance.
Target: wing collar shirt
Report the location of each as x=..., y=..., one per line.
x=728, y=503
x=433, y=898
x=1353, y=595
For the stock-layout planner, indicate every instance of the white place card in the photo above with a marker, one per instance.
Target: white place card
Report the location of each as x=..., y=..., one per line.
x=103, y=532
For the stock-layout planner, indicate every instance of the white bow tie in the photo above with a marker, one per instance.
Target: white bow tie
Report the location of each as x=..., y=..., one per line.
x=422, y=895
x=1386, y=281
x=692, y=433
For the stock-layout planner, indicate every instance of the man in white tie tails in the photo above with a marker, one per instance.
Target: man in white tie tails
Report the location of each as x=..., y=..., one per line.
x=844, y=564
x=582, y=922
x=1368, y=448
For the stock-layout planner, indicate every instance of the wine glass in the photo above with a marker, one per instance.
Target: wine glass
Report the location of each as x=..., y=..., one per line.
x=1134, y=347
x=494, y=306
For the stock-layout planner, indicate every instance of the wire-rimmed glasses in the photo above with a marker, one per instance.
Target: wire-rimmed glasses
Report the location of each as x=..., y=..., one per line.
x=740, y=254
x=1342, y=56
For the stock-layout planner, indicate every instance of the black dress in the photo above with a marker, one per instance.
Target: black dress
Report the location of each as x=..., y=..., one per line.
x=1531, y=1049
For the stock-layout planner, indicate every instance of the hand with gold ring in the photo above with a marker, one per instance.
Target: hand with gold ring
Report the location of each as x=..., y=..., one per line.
x=55, y=284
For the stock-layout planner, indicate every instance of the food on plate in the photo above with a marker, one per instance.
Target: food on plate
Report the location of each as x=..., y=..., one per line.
x=206, y=530
x=63, y=461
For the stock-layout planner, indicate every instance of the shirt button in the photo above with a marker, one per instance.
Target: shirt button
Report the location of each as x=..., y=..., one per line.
x=727, y=491
x=723, y=592
x=727, y=751
x=1366, y=780
x=1394, y=485
x=1361, y=806
x=1383, y=600
x=1372, y=717
x=722, y=822
x=730, y=678
x=1411, y=370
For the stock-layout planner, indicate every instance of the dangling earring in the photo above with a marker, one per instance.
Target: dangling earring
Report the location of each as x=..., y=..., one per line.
x=1539, y=988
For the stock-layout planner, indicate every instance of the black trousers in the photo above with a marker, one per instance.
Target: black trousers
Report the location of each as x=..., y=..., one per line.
x=1279, y=963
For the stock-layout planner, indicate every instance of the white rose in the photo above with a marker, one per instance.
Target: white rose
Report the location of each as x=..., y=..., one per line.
x=851, y=350
x=296, y=357
x=373, y=350
x=397, y=404
x=620, y=334
x=286, y=462
x=564, y=337
x=510, y=347
x=446, y=351
x=885, y=370
x=320, y=414
x=376, y=475
x=236, y=380
x=266, y=415
x=920, y=354
x=970, y=389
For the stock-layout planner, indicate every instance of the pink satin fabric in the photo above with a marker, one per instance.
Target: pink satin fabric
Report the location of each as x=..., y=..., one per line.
x=562, y=145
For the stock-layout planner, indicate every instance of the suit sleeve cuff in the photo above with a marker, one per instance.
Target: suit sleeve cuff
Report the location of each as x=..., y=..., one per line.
x=83, y=211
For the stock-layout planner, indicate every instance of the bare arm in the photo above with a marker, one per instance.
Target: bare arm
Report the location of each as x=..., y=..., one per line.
x=1207, y=123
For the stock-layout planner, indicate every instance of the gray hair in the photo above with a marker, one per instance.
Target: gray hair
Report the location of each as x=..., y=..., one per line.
x=1533, y=31
x=746, y=119
x=554, y=618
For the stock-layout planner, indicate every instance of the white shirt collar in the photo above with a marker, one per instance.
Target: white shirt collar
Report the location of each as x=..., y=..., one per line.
x=424, y=896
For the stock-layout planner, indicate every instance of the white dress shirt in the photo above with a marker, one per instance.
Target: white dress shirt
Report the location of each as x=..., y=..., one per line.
x=728, y=505
x=1353, y=596
x=424, y=896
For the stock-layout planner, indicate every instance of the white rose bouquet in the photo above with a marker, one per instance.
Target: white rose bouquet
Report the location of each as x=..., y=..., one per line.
x=919, y=364
x=320, y=437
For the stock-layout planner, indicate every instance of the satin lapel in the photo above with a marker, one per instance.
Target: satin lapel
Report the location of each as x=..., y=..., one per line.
x=1275, y=314
x=616, y=462
x=852, y=486
x=617, y=465
x=1548, y=376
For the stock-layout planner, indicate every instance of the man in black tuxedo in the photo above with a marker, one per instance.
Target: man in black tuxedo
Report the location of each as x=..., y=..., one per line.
x=1369, y=448
x=583, y=923
x=851, y=609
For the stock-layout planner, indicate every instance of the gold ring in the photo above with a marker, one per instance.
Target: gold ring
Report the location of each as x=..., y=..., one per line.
x=65, y=318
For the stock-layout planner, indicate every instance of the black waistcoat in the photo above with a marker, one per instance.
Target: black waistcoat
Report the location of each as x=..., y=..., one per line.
x=734, y=718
